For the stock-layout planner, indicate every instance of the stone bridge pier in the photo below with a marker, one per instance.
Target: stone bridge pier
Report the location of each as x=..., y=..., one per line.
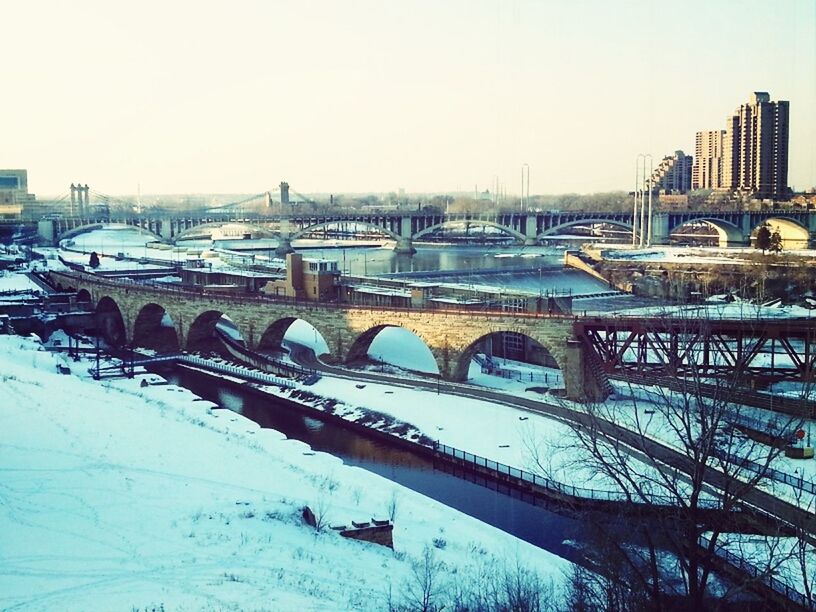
x=166, y=320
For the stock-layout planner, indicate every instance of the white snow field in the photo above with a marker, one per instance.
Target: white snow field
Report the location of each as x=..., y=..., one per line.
x=115, y=496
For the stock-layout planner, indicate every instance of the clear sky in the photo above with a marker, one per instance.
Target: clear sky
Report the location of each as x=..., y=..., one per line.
x=374, y=95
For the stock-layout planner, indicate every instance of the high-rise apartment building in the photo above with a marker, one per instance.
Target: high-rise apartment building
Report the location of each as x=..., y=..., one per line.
x=755, y=155
x=751, y=155
x=707, y=171
x=673, y=174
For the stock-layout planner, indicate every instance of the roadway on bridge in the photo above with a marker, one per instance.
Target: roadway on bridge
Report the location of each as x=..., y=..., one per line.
x=767, y=502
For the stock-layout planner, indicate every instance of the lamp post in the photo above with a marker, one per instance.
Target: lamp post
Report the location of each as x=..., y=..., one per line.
x=639, y=230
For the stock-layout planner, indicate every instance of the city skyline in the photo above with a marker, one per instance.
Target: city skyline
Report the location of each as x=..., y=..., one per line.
x=373, y=97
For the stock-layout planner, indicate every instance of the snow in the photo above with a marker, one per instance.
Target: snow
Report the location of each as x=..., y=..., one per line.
x=404, y=349
x=21, y=283
x=507, y=434
x=707, y=255
x=306, y=334
x=117, y=496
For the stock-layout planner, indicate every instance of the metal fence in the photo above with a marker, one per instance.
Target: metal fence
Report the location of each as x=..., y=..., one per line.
x=757, y=468
x=240, y=371
x=559, y=487
x=741, y=564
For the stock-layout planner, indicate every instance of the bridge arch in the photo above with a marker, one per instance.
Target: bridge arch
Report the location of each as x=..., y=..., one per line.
x=154, y=328
x=415, y=353
x=475, y=222
x=190, y=232
x=84, y=297
x=200, y=335
x=311, y=228
x=111, y=324
x=728, y=234
x=541, y=351
x=89, y=227
x=273, y=336
x=794, y=234
x=557, y=229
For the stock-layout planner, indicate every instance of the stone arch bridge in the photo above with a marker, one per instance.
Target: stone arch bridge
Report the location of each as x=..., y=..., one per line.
x=134, y=313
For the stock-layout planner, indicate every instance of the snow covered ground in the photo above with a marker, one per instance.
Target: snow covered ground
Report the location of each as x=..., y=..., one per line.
x=117, y=496
x=18, y=283
x=708, y=255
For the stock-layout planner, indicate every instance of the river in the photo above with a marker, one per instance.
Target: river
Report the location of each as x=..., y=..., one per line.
x=535, y=524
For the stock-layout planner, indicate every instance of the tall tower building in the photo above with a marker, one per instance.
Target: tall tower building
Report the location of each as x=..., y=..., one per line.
x=707, y=171
x=755, y=156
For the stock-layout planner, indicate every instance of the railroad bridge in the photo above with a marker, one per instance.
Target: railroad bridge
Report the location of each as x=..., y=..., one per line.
x=732, y=227
x=136, y=314
x=586, y=349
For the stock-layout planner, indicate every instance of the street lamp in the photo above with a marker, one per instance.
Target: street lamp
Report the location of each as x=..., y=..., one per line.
x=640, y=190
x=523, y=199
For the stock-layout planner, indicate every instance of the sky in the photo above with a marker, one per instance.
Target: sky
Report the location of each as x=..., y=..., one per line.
x=172, y=96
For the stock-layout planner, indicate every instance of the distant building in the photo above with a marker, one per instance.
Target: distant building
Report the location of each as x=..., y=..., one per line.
x=14, y=194
x=707, y=170
x=750, y=155
x=670, y=201
x=673, y=174
x=756, y=148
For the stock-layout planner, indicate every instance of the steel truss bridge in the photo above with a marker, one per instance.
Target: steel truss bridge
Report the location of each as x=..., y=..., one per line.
x=767, y=350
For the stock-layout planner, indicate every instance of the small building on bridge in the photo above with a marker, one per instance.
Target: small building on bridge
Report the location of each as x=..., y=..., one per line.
x=306, y=279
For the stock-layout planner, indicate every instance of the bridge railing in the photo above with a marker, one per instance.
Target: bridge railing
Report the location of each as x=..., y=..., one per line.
x=248, y=373
x=196, y=291
x=560, y=488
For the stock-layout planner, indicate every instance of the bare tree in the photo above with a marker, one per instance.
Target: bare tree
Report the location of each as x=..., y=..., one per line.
x=684, y=470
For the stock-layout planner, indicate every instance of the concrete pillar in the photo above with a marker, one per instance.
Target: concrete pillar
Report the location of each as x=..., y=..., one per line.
x=284, y=243
x=660, y=228
x=73, y=199
x=164, y=228
x=46, y=230
x=530, y=230
x=284, y=190
x=747, y=228
x=404, y=244
x=572, y=368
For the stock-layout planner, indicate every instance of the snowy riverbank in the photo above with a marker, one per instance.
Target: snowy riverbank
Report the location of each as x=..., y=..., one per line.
x=118, y=496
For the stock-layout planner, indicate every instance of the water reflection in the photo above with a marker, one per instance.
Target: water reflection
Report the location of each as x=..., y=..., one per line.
x=534, y=524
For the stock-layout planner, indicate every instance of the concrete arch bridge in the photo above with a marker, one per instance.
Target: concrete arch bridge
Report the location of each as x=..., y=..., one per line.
x=733, y=227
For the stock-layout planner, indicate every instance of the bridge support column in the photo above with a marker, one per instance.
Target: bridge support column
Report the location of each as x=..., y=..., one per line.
x=284, y=247
x=660, y=229
x=581, y=382
x=284, y=243
x=404, y=244
x=404, y=247
x=530, y=230
x=46, y=231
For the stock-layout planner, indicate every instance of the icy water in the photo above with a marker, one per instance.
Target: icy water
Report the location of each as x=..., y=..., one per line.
x=534, y=524
x=531, y=269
